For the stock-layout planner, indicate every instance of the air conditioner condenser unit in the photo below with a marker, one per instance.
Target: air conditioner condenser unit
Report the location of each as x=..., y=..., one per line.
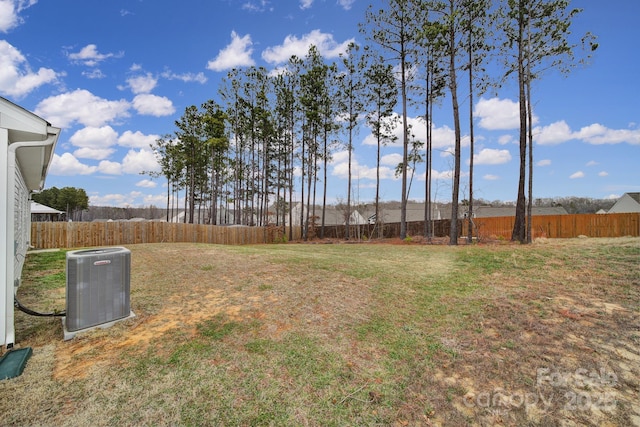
x=98, y=288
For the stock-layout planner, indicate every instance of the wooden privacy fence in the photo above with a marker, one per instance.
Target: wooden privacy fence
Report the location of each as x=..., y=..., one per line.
x=552, y=226
x=49, y=235
x=561, y=226
x=440, y=228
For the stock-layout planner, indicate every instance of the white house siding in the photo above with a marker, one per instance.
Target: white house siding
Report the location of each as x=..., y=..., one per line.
x=6, y=270
x=21, y=221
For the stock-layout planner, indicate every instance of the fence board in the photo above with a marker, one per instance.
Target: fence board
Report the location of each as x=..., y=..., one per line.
x=49, y=235
x=564, y=226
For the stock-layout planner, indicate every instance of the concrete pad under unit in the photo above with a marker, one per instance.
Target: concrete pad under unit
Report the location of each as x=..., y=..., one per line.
x=68, y=335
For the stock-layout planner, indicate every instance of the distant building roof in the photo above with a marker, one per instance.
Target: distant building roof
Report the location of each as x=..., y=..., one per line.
x=332, y=216
x=415, y=212
x=628, y=203
x=37, y=208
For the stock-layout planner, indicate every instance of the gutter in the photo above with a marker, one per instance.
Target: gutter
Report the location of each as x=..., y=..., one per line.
x=52, y=136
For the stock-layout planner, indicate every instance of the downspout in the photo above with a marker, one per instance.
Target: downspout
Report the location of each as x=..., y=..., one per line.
x=11, y=282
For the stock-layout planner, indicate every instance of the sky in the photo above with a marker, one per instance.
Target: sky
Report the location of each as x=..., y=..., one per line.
x=115, y=76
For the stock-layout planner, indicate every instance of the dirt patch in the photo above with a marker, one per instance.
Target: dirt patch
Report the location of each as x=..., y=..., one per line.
x=76, y=358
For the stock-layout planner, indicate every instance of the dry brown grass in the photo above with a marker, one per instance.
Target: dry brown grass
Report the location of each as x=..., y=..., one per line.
x=335, y=334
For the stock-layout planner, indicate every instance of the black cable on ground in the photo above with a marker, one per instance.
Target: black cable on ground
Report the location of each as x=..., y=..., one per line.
x=30, y=312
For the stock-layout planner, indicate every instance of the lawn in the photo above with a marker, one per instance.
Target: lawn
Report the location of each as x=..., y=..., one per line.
x=390, y=333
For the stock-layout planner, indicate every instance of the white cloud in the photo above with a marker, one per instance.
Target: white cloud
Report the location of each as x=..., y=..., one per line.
x=498, y=114
x=292, y=45
x=346, y=4
x=90, y=56
x=591, y=131
x=256, y=6
x=613, y=197
x=442, y=137
x=154, y=200
x=142, y=84
x=185, y=77
x=68, y=165
x=505, y=139
x=146, y=183
x=392, y=160
x=110, y=168
x=136, y=162
x=596, y=134
x=236, y=54
x=591, y=163
x=555, y=133
x=444, y=175
x=544, y=162
x=153, y=105
x=340, y=156
x=119, y=200
x=93, y=153
x=94, y=142
x=490, y=156
x=578, y=174
x=94, y=73
x=490, y=177
x=137, y=139
x=341, y=168
x=305, y=4
x=16, y=77
x=83, y=107
x=9, y=13
x=93, y=137
x=603, y=173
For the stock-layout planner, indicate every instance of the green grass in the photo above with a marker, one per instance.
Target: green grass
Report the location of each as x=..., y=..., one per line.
x=47, y=269
x=44, y=279
x=216, y=328
x=44, y=261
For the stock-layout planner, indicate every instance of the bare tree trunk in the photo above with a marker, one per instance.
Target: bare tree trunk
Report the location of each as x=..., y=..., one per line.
x=290, y=172
x=377, y=204
x=405, y=149
x=302, y=172
x=168, y=197
x=519, y=229
x=471, y=142
x=324, y=180
x=453, y=85
x=429, y=162
x=347, y=233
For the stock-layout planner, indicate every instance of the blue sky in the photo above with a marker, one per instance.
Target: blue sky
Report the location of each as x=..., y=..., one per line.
x=115, y=75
